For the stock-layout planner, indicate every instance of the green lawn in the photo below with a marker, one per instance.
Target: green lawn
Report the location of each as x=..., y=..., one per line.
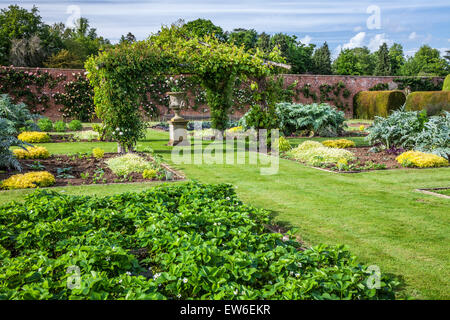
x=378, y=215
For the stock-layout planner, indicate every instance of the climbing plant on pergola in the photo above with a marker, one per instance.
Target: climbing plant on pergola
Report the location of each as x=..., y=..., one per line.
x=116, y=74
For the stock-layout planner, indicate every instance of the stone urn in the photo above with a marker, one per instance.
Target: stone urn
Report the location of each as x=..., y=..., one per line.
x=176, y=103
x=178, y=125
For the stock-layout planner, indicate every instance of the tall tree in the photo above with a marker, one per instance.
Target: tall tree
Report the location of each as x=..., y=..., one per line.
x=203, y=27
x=247, y=38
x=27, y=52
x=82, y=40
x=17, y=23
x=129, y=38
x=383, y=61
x=356, y=61
x=322, y=60
x=426, y=62
x=298, y=55
x=397, y=58
x=263, y=42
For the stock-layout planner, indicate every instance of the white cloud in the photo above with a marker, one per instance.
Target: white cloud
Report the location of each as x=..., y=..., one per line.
x=306, y=40
x=443, y=51
x=355, y=42
x=378, y=40
x=412, y=35
x=357, y=29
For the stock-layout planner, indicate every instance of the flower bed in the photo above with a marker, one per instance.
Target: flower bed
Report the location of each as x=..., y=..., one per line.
x=172, y=242
x=80, y=169
x=364, y=159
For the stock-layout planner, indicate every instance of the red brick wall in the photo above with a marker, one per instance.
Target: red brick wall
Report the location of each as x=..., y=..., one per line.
x=353, y=83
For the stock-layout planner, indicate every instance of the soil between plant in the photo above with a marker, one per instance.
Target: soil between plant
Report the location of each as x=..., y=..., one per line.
x=86, y=164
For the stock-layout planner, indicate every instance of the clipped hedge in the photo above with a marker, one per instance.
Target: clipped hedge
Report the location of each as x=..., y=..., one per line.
x=446, y=86
x=368, y=104
x=434, y=102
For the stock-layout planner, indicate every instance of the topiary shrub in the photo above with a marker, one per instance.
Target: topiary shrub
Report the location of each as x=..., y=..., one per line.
x=59, y=126
x=446, y=86
x=434, y=102
x=368, y=104
x=34, y=137
x=45, y=124
x=75, y=125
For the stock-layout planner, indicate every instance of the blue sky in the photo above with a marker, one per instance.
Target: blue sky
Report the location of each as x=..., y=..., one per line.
x=343, y=24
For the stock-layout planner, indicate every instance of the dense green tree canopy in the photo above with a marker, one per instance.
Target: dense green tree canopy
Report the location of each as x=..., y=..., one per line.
x=383, y=66
x=426, y=62
x=243, y=37
x=357, y=61
x=202, y=27
x=397, y=58
x=16, y=24
x=322, y=60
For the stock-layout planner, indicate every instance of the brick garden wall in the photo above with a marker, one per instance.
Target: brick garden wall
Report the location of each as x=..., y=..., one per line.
x=353, y=84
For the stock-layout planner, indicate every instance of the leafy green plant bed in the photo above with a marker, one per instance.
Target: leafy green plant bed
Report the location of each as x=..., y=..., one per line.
x=170, y=242
x=85, y=169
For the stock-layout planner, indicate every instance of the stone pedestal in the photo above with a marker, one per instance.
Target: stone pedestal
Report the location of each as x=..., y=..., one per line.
x=178, y=132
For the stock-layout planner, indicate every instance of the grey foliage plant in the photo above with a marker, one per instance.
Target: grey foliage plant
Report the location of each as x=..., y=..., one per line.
x=13, y=117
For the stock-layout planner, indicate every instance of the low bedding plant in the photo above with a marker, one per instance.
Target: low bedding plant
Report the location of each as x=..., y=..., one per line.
x=339, y=143
x=130, y=163
x=316, y=154
x=32, y=153
x=34, y=137
x=334, y=158
x=187, y=241
x=88, y=135
x=28, y=180
x=421, y=160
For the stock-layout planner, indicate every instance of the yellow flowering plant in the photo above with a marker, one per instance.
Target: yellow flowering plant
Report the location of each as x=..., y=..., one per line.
x=421, y=160
x=32, y=153
x=149, y=173
x=339, y=143
x=98, y=153
x=316, y=154
x=34, y=137
x=29, y=180
x=282, y=144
